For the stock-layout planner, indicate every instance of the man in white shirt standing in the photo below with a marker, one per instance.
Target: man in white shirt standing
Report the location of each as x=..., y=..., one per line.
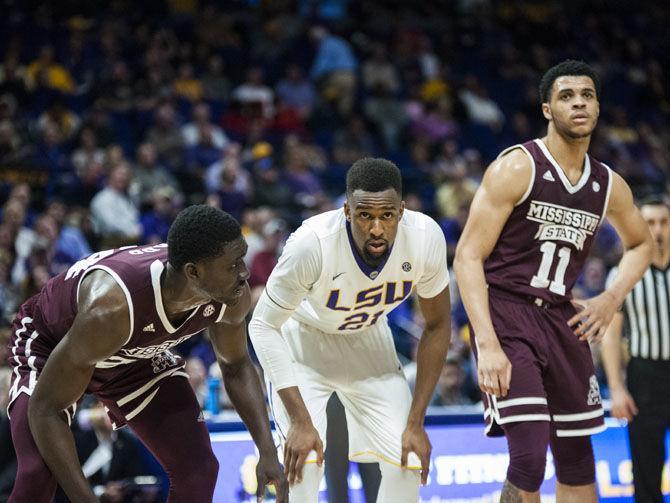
x=320, y=327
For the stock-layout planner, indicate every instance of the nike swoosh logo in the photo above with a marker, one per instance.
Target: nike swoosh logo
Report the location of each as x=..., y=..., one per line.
x=338, y=275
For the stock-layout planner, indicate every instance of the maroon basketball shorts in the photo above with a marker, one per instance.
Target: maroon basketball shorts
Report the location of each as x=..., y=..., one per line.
x=553, y=378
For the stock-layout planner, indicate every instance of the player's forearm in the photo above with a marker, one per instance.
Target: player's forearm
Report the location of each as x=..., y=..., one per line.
x=431, y=354
x=294, y=405
x=611, y=354
x=55, y=442
x=246, y=394
x=634, y=262
x=474, y=294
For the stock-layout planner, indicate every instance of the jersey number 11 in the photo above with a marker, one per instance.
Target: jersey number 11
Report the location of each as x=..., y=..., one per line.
x=541, y=279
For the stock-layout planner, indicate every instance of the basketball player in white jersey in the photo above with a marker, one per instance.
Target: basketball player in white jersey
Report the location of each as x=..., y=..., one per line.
x=320, y=327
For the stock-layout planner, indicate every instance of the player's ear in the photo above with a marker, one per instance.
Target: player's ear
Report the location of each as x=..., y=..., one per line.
x=347, y=211
x=402, y=209
x=191, y=271
x=546, y=111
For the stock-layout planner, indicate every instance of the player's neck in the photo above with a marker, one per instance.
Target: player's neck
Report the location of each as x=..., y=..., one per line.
x=177, y=297
x=568, y=152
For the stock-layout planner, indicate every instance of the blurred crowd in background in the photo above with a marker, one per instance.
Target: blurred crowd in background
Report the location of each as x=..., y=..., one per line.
x=115, y=114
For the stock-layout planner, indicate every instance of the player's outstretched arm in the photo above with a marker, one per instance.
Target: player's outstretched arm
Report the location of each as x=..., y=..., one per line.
x=596, y=314
x=432, y=352
x=229, y=340
x=100, y=328
x=505, y=183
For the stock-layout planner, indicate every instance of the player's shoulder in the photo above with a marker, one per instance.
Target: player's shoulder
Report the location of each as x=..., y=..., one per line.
x=326, y=224
x=512, y=161
x=417, y=225
x=416, y=221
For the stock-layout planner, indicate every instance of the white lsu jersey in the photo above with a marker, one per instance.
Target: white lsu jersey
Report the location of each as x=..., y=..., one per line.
x=321, y=275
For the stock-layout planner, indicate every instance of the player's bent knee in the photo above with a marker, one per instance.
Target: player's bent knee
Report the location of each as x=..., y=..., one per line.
x=195, y=477
x=528, y=444
x=527, y=472
x=575, y=464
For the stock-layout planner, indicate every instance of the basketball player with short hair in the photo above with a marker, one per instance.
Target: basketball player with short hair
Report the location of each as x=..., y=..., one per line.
x=106, y=327
x=530, y=228
x=320, y=327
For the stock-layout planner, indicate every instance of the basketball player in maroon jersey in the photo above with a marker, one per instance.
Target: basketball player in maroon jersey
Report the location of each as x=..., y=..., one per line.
x=106, y=327
x=530, y=228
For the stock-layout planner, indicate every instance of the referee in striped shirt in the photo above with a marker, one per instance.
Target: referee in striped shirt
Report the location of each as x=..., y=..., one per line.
x=645, y=319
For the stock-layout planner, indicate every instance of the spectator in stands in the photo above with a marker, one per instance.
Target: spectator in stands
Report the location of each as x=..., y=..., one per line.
x=187, y=85
x=387, y=114
x=110, y=458
x=232, y=195
x=156, y=223
x=148, y=175
x=449, y=389
x=46, y=72
x=254, y=95
x=12, y=150
x=12, y=78
x=295, y=92
x=166, y=136
x=116, y=218
x=61, y=117
x=353, y=142
x=88, y=155
x=378, y=71
x=480, y=107
x=202, y=121
x=334, y=68
x=10, y=297
x=71, y=244
x=117, y=92
x=274, y=235
x=456, y=190
x=269, y=188
x=216, y=85
x=14, y=215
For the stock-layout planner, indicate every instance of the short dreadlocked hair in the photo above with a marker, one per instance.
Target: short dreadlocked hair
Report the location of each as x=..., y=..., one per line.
x=373, y=175
x=569, y=67
x=199, y=233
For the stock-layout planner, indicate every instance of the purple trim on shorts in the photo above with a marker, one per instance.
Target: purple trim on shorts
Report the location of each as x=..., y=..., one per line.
x=363, y=266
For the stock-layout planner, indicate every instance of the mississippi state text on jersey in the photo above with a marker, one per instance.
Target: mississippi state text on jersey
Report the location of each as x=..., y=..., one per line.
x=548, y=235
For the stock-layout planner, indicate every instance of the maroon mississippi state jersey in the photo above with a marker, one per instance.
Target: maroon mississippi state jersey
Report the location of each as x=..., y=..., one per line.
x=45, y=318
x=548, y=235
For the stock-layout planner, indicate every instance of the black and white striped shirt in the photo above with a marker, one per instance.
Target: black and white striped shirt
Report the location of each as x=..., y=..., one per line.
x=647, y=315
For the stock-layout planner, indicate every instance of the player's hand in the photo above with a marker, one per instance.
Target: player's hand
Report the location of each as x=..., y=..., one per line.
x=414, y=439
x=269, y=471
x=302, y=439
x=623, y=405
x=494, y=371
x=593, y=317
